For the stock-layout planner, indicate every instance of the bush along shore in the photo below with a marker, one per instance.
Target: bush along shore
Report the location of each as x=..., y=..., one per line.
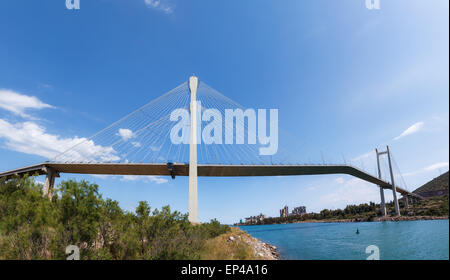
x=434, y=208
x=33, y=227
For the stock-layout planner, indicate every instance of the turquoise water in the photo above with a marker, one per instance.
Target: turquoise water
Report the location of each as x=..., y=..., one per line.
x=408, y=240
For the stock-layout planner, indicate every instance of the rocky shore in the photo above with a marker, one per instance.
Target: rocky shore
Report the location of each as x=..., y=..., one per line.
x=238, y=245
x=261, y=249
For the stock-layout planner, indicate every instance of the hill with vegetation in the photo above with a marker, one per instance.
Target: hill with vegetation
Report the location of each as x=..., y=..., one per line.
x=436, y=205
x=431, y=208
x=436, y=187
x=33, y=227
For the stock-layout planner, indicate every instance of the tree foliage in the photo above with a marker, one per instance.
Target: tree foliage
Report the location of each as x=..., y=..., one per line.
x=32, y=227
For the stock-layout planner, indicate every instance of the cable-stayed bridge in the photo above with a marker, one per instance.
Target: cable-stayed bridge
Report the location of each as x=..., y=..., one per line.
x=142, y=143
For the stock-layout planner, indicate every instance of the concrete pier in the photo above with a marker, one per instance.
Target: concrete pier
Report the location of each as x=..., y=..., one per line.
x=49, y=182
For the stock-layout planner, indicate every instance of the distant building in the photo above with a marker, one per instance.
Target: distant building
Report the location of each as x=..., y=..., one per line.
x=298, y=211
x=255, y=219
x=284, y=212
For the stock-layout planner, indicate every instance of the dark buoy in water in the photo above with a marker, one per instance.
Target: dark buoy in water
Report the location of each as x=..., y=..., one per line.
x=357, y=231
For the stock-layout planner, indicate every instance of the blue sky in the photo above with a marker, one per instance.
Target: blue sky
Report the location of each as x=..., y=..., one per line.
x=345, y=80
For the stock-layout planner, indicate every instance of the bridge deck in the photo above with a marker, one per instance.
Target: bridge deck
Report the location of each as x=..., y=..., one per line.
x=181, y=169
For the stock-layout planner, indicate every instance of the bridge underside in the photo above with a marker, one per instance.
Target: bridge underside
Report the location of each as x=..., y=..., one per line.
x=181, y=169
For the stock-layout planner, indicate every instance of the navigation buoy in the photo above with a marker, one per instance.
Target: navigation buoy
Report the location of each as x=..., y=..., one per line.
x=357, y=231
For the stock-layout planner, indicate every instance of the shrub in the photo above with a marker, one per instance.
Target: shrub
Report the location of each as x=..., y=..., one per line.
x=32, y=227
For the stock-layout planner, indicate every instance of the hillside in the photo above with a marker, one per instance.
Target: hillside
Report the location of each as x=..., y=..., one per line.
x=436, y=187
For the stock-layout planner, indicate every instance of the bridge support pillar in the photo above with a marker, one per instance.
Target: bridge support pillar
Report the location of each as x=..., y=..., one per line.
x=406, y=202
x=49, y=182
x=382, y=203
x=193, y=196
x=394, y=191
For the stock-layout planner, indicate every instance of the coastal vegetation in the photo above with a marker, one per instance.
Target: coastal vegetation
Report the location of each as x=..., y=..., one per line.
x=435, y=205
x=33, y=227
x=431, y=207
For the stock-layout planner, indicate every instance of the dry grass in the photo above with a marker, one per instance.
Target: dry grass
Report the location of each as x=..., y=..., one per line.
x=222, y=248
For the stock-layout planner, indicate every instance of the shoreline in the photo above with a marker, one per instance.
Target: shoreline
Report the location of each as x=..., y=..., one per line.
x=238, y=244
x=356, y=220
x=260, y=249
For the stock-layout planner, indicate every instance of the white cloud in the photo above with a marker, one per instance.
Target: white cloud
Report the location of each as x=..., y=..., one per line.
x=153, y=179
x=18, y=103
x=352, y=191
x=366, y=161
x=339, y=180
x=407, y=174
x=410, y=130
x=159, y=5
x=31, y=138
x=39, y=182
x=136, y=144
x=436, y=166
x=125, y=133
x=101, y=176
x=432, y=167
x=144, y=178
x=363, y=156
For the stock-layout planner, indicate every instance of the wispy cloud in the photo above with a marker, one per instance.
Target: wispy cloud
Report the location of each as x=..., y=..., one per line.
x=364, y=161
x=18, y=103
x=125, y=134
x=160, y=5
x=436, y=166
x=339, y=180
x=351, y=191
x=410, y=130
x=153, y=179
x=363, y=156
x=432, y=167
x=142, y=178
x=31, y=138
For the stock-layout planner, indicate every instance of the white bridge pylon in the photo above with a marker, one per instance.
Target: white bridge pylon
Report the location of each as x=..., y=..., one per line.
x=193, y=195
